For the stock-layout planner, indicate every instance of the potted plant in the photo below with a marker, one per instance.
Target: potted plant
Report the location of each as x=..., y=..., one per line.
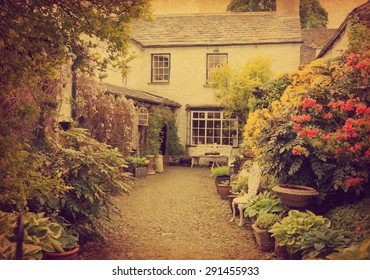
x=223, y=189
x=221, y=173
x=41, y=236
x=290, y=230
x=141, y=166
x=260, y=230
x=263, y=206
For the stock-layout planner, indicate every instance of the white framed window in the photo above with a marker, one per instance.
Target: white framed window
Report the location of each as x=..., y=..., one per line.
x=161, y=68
x=213, y=127
x=215, y=60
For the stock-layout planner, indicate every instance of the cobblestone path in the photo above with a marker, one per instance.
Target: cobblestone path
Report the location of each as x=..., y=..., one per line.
x=176, y=215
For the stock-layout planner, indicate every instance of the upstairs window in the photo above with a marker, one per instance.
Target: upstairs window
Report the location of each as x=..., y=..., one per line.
x=215, y=60
x=161, y=68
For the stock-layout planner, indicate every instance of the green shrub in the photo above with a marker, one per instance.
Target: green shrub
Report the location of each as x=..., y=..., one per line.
x=220, y=171
x=354, y=252
x=263, y=206
x=40, y=234
x=323, y=241
x=352, y=217
x=94, y=171
x=291, y=229
x=266, y=220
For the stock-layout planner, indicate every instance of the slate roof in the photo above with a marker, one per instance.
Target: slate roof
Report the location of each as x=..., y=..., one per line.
x=140, y=95
x=363, y=14
x=216, y=30
x=313, y=39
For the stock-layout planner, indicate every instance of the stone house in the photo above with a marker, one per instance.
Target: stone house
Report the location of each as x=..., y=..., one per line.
x=174, y=54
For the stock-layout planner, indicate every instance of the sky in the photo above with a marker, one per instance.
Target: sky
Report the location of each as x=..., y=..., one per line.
x=337, y=9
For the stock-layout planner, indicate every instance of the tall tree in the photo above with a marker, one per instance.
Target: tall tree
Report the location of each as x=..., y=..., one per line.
x=38, y=35
x=312, y=14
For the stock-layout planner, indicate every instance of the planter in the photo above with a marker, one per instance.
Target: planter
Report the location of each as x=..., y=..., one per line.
x=158, y=160
x=295, y=196
x=223, y=190
x=281, y=251
x=220, y=179
x=150, y=168
x=264, y=239
x=140, y=171
x=70, y=255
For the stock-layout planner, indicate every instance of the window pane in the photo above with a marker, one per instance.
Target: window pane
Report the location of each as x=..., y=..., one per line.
x=161, y=68
x=213, y=127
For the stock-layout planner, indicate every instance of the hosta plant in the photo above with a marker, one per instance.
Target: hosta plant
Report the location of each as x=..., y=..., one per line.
x=291, y=229
x=354, y=252
x=39, y=234
x=266, y=220
x=323, y=241
x=263, y=206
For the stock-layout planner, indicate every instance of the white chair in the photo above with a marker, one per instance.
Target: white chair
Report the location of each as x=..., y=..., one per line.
x=254, y=178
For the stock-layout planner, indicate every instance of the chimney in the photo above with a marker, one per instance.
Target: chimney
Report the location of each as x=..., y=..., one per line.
x=287, y=8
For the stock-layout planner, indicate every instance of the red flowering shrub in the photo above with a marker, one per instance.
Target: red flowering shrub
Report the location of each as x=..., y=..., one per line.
x=318, y=133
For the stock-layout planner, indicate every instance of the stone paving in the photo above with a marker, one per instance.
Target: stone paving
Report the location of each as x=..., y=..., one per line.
x=176, y=215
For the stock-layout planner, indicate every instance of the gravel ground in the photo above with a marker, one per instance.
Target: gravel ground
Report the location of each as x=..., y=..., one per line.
x=175, y=215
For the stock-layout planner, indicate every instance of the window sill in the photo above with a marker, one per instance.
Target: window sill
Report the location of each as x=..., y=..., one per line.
x=159, y=83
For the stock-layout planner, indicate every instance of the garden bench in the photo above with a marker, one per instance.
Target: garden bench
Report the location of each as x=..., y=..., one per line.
x=254, y=178
x=224, y=153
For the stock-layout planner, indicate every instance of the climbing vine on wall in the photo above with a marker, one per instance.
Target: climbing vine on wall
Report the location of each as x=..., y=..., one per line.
x=109, y=118
x=159, y=117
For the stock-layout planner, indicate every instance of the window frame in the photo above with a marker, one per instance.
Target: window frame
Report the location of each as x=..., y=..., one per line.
x=153, y=68
x=204, y=130
x=207, y=63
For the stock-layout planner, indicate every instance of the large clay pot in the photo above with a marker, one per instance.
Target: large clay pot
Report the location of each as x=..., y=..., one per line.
x=295, y=196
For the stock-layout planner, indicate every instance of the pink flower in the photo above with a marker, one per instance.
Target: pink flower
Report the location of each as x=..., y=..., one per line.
x=297, y=127
x=356, y=147
x=328, y=116
x=361, y=64
x=353, y=181
x=308, y=102
x=301, y=118
x=367, y=154
x=357, y=229
x=360, y=109
x=351, y=59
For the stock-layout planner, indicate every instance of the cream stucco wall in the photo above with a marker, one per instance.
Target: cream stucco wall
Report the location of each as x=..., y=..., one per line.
x=339, y=46
x=188, y=72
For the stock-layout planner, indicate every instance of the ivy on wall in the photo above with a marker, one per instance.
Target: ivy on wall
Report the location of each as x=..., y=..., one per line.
x=109, y=118
x=152, y=136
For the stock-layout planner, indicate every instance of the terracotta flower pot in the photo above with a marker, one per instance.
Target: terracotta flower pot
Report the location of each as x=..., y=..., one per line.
x=223, y=190
x=69, y=255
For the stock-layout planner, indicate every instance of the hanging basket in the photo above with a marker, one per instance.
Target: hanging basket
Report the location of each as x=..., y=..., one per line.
x=295, y=196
